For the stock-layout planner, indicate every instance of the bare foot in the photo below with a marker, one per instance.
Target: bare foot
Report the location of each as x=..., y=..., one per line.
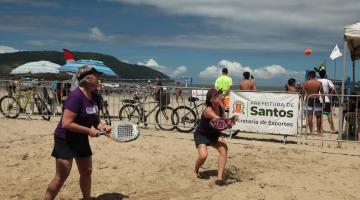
x=196, y=174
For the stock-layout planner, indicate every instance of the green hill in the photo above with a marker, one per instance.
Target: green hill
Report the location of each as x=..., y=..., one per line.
x=9, y=61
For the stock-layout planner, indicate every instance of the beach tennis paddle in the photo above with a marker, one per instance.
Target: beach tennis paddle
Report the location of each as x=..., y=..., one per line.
x=123, y=131
x=222, y=124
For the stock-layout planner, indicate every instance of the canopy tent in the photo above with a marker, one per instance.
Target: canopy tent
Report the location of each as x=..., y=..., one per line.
x=36, y=67
x=352, y=37
x=73, y=66
x=351, y=41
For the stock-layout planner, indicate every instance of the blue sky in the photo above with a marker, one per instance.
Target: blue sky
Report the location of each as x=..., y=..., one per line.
x=187, y=37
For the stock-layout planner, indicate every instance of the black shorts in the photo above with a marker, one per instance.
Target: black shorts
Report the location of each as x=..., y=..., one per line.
x=75, y=146
x=204, y=139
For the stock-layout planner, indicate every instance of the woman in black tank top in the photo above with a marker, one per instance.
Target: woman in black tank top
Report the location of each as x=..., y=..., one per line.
x=205, y=135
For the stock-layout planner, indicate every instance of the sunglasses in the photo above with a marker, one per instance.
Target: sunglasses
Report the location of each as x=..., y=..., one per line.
x=219, y=97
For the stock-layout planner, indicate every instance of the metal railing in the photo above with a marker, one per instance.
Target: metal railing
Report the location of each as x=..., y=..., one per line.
x=334, y=120
x=175, y=108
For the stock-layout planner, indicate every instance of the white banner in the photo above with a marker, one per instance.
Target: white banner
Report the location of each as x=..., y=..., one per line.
x=265, y=112
x=201, y=94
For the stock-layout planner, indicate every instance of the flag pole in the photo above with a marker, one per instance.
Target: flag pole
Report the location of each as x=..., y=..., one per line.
x=335, y=70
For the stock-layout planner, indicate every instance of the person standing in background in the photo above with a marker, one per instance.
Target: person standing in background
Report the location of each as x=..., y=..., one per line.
x=291, y=86
x=247, y=84
x=159, y=88
x=224, y=83
x=312, y=89
x=328, y=88
x=178, y=92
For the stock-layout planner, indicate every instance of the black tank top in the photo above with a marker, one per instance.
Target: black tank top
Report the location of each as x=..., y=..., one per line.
x=204, y=127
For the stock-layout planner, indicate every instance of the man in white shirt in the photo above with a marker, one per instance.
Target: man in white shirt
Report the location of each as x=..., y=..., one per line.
x=328, y=88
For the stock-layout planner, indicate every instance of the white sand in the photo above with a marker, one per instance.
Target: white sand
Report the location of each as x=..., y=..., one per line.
x=158, y=165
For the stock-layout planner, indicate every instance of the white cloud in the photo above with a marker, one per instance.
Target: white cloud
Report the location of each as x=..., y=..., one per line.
x=150, y=63
x=210, y=72
x=7, y=49
x=269, y=72
x=97, y=35
x=173, y=72
x=258, y=24
x=279, y=12
x=179, y=71
x=236, y=70
x=36, y=42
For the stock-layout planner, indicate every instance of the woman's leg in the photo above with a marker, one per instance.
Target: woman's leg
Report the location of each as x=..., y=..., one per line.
x=85, y=169
x=63, y=168
x=202, y=149
x=222, y=148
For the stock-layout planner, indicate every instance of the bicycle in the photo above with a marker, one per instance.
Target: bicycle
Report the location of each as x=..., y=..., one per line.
x=105, y=112
x=134, y=111
x=188, y=117
x=11, y=107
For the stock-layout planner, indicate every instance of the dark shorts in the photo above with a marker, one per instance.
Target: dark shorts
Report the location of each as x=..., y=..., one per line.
x=205, y=139
x=327, y=108
x=73, y=147
x=313, y=107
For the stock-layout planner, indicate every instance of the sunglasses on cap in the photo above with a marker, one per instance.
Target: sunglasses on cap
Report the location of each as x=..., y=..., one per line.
x=219, y=96
x=86, y=70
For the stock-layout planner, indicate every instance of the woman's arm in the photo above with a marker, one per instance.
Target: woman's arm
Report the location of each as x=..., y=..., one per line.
x=69, y=124
x=210, y=113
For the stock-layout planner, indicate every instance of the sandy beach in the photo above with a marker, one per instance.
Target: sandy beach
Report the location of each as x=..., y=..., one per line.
x=158, y=165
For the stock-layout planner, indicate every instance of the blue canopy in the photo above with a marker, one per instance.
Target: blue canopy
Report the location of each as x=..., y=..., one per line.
x=98, y=65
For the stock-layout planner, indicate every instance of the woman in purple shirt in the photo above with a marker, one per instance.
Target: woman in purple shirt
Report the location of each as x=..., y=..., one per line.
x=80, y=114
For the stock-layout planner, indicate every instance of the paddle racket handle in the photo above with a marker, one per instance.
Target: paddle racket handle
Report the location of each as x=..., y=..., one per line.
x=101, y=133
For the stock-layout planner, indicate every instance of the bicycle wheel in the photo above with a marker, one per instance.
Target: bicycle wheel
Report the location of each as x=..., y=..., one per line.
x=163, y=118
x=130, y=113
x=43, y=109
x=186, y=119
x=106, y=116
x=9, y=107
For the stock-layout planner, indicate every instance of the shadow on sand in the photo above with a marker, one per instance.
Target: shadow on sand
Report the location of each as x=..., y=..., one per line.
x=230, y=177
x=265, y=140
x=111, y=196
x=207, y=174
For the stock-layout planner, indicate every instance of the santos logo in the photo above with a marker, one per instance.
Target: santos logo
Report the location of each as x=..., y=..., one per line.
x=238, y=107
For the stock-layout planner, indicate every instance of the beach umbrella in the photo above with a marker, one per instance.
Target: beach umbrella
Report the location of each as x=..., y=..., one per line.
x=36, y=68
x=73, y=66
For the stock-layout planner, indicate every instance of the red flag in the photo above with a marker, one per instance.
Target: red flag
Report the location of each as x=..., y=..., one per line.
x=69, y=56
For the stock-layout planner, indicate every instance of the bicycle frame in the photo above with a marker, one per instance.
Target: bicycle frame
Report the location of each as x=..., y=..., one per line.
x=27, y=95
x=195, y=107
x=140, y=106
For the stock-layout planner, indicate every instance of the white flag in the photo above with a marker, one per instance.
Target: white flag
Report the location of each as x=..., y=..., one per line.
x=335, y=53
